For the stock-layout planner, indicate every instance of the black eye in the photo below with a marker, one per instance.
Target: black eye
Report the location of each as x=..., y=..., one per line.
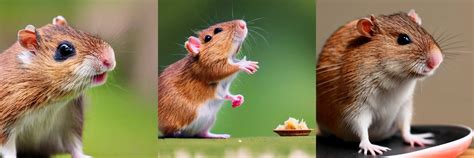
x=207, y=38
x=403, y=39
x=217, y=30
x=65, y=50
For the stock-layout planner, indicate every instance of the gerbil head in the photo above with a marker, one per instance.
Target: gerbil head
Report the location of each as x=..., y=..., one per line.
x=218, y=42
x=72, y=60
x=403, y=46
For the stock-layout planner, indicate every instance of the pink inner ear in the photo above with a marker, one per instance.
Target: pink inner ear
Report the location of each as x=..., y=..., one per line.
x=27, y=39
x=193, y=44
x=195, y=41
x=414, y=16
x=364, y=26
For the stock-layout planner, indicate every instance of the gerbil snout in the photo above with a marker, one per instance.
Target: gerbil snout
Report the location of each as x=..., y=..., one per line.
x=242, y=24
x=433, y=60
x=106, y=63
x=107, y=58
x=242, y=28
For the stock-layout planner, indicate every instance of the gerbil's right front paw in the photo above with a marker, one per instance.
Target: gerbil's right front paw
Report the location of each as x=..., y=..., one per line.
x=372, y=148
x=248, y=66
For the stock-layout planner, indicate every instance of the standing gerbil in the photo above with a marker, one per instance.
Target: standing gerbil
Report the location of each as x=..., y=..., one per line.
x=366, y=77
x=42, y=79
x=192, y=90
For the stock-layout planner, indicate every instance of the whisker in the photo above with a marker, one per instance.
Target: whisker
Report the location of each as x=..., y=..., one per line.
x=451, y=48
x=261, y=36
x=450, y=38
x=328, y=66
x=328, y=81
x=256, y=19
x=258, y=28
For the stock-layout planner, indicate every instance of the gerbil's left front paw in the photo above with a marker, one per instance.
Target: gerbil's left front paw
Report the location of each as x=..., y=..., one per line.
x=372, y=148
x=248, y=66
x=419, y=139
x=237, y=100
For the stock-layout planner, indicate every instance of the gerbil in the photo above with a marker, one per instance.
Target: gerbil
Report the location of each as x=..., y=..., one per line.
x=366, y=77
x=192, y=90
x=42, y=80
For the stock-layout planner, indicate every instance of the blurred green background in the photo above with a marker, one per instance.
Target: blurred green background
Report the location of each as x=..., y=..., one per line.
x=281, y=39
x=120, y=117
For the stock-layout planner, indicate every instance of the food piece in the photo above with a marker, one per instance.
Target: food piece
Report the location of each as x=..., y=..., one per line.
x=280, y=127
x=293, y=124
x=302, y=125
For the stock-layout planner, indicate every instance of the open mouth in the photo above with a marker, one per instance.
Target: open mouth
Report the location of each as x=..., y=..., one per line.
x=99, y=79
x=422, y=73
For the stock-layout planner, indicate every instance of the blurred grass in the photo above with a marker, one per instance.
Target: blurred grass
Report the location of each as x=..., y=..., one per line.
x=118, y=124
x=235, y=147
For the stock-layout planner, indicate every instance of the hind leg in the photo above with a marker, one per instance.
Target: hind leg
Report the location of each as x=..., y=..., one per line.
x=206, y=133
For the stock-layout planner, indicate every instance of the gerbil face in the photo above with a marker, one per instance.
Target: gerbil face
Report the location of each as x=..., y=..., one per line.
x=219, y=41
x=70, y=58
x=405, y=48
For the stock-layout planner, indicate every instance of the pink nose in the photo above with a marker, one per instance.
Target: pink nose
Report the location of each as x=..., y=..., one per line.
x=242, y=24
x=434, y=59
x=108, y=58
x=107, y=63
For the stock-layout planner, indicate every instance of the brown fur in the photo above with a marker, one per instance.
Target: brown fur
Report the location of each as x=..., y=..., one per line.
x=30, y=87
x=352, y=66
x=185, y=85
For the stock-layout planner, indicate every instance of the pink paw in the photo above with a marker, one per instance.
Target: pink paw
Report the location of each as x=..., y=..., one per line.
x=210, y=135
x=419, y=139
x=248, y=66
x=237, y=101
x=372, y=148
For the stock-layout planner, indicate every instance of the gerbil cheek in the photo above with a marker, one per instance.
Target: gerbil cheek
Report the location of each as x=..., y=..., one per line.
x=87, y=68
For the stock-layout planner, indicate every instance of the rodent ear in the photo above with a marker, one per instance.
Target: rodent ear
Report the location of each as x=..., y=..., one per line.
x=59, y=20
x=365, y=26
x=192, y=45
x=27, y=38
x=414, y=16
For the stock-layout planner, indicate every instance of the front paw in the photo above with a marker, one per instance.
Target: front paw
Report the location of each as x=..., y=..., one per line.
x=419, y=139
x=372, y=148
x=248, y=66
x=238, y=100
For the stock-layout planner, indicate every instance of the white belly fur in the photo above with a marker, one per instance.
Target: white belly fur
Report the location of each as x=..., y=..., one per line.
x=385, y=107
x=206, y=114
x=43, y=126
